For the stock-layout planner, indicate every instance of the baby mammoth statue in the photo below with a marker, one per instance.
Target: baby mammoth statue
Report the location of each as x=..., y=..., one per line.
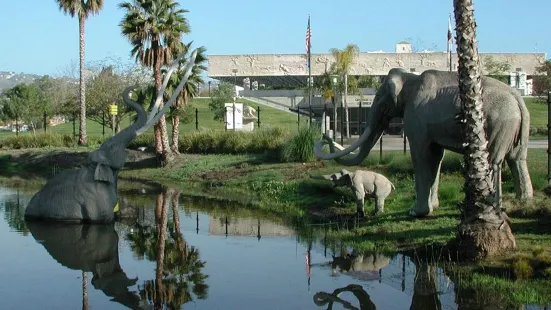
x=364, y=184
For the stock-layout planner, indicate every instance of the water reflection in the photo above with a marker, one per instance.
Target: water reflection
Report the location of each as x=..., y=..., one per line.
x=240, y=259
x=178, y=266
x=363, y=266
x=322, y=298
x=90, y=248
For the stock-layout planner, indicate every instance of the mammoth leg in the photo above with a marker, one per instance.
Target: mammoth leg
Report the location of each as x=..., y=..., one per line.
x=360, y=195
x=380, y=205
x=519, y=170
x=426, y=161
x=497, y=182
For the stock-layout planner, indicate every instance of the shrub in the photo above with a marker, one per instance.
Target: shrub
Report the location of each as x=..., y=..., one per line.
x=268, y=140
x=301, y=146
x=38, y=140
x=522, y=268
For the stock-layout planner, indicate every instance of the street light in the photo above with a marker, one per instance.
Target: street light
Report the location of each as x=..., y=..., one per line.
x=335, y=80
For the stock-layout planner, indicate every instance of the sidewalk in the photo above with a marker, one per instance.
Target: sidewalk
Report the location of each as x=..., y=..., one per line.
x=394, y=143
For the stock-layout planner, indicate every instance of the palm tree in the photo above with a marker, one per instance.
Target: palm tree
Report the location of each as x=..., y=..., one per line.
x=343, y=61
x=191, y=89
x=154, y=28
x=82, y=9
x=484, y=230
x=324, y=84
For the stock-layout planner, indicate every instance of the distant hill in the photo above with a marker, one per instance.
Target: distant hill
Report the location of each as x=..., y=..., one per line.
x=11, y=79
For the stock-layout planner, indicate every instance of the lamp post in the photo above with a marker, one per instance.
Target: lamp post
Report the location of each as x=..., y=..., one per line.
x=335, y=79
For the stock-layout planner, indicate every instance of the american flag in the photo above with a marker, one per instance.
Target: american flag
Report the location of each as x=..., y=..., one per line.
x=308, y=43
x=450, y=41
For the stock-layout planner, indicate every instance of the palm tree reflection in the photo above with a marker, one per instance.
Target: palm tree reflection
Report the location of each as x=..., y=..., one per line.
x=179, y=268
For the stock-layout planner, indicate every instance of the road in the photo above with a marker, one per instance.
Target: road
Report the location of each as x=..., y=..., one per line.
x=396, y=143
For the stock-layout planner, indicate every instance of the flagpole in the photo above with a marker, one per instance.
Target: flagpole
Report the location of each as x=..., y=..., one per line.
x=450, y=40
x=309, y=73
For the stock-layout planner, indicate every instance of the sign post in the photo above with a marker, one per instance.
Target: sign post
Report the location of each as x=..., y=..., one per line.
x=234, y=115
x=113, y=111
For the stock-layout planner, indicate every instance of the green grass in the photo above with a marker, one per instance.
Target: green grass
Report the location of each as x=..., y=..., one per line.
x=269, y=117
x=538, y=112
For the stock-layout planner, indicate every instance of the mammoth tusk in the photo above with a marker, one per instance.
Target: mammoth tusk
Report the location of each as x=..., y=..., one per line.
x=173, y=65
x=188, y=68
x=343, y=151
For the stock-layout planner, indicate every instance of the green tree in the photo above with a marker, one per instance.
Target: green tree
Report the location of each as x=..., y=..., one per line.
x=368, y=81
x=343, y=61
x=222, y=94
x=104, y=90
x=154, y=28
x=484, y=230
x=542, y=81
x=82, y=9
x=46, y=94
x=23, y=103
x=497, y=69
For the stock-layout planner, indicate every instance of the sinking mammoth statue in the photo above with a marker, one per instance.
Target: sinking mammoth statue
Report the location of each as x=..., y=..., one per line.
x=89, y=194
x=429, y=105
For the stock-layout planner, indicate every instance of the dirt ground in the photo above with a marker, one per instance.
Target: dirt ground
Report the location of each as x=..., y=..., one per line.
x=67, y=158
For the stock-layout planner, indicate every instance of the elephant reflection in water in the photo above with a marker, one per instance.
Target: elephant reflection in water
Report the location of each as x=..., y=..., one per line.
x=90, y=248
x=358, y=263
x=322, y=298
x=178, y=266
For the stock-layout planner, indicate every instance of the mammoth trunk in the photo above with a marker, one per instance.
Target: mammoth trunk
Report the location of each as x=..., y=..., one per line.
x=377, y=122
x=484, y=231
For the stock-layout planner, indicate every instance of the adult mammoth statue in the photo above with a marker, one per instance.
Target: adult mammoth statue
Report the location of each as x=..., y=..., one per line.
x=89, y=194
x=429, y=105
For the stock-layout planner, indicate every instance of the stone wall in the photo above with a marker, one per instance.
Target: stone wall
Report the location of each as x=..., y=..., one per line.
x=366, y=63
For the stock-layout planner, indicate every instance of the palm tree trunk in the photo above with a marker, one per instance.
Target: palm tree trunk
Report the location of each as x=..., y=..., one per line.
x=84, y=291
x=175, y=133
x=346, y=119
x=484, y=230
x=82, y=138
x=161, y=136
x=180, y=103
x=161, y=233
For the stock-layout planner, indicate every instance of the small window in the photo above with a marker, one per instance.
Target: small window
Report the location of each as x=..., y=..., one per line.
x=519, y=69
x=412, y=69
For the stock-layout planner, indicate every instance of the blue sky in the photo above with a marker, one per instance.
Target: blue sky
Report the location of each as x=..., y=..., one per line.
x=38, y=38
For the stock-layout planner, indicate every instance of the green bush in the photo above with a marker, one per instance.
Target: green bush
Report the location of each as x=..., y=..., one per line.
x=278, y=142
x=38, y=140
x=230, y=142
x=300, y=148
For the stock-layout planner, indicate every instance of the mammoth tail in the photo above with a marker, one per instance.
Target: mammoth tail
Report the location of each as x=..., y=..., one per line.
x=524, y=131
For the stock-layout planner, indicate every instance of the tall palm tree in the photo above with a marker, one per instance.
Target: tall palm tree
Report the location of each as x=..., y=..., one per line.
x=343, y=61
x=82, y=9
x=154, y=28
x=484, y=230
x=191, y=89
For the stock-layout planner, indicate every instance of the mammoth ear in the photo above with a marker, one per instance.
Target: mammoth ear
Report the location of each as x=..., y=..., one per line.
x=395, y=87
x=104, y=173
